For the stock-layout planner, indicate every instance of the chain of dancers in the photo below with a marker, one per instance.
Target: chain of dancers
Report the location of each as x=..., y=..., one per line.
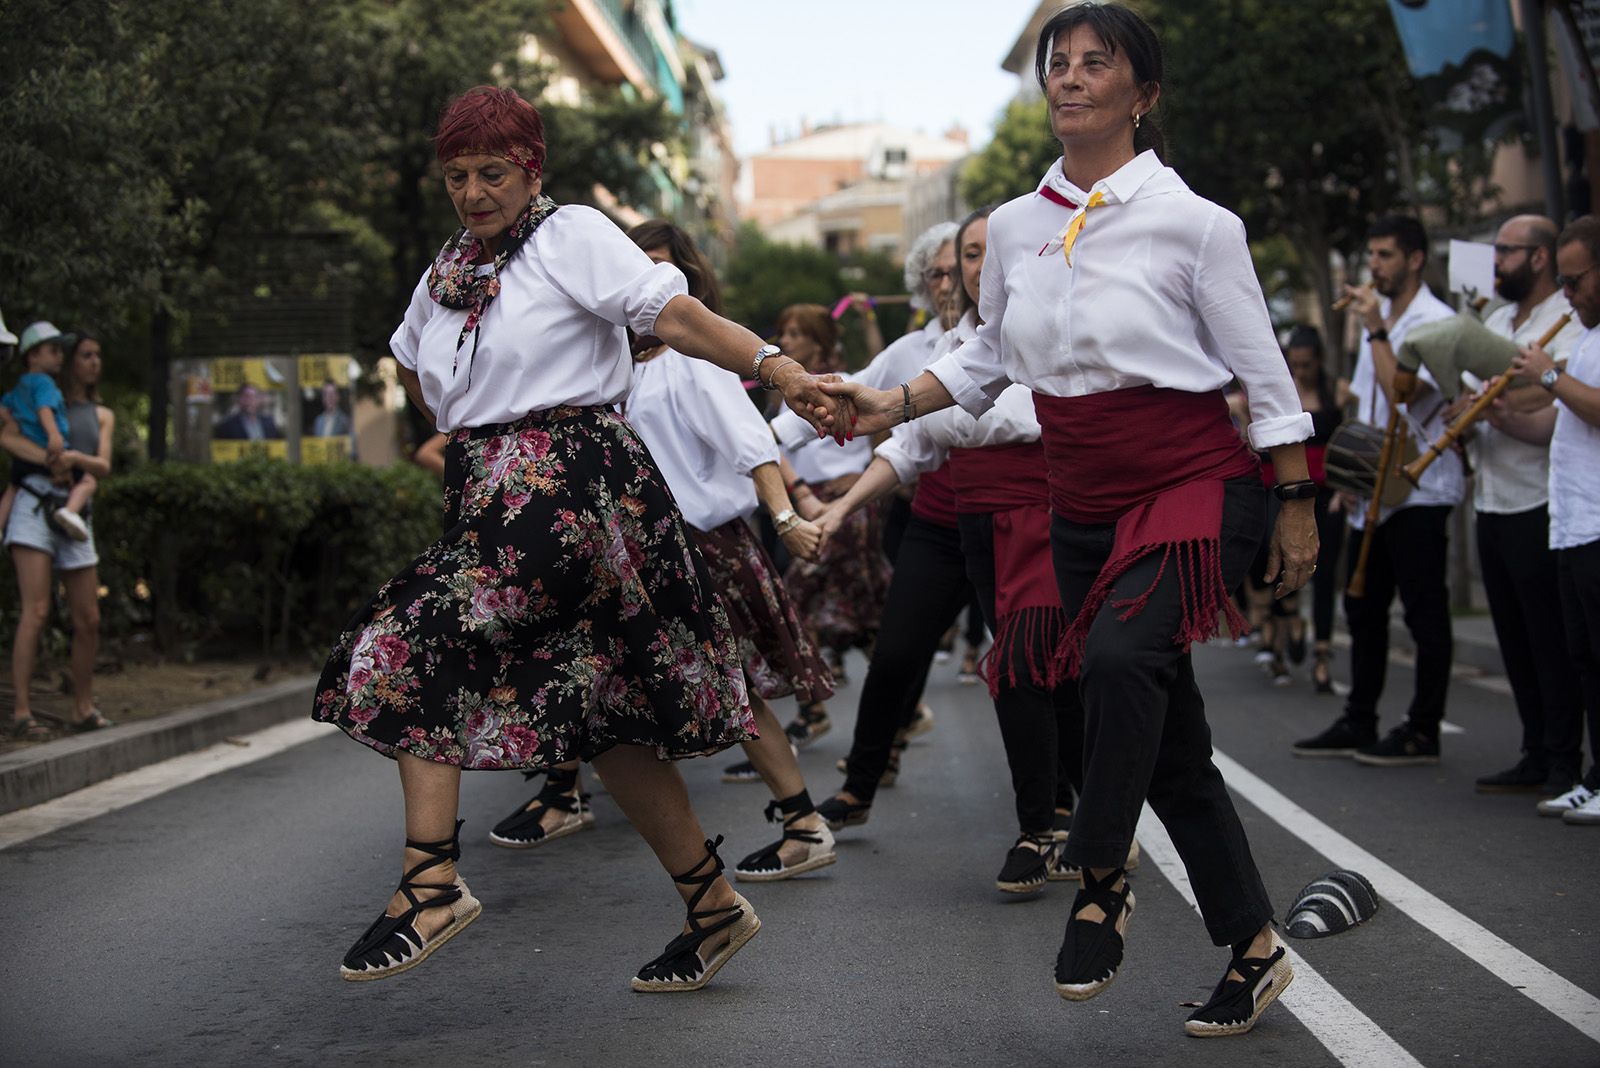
x=599, y=594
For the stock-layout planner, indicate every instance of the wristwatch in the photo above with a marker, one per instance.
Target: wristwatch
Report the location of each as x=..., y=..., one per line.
x=1295, y=491
x=1548, y=379
x=1378, y=335
x=762, y=354
x=785, y=521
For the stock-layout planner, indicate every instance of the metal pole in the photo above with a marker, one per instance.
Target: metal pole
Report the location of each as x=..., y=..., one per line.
x=1543, y=114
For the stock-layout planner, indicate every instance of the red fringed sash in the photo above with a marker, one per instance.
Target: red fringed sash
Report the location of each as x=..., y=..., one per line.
x=1153, y=461
x=935, y=499
x=1009, y=481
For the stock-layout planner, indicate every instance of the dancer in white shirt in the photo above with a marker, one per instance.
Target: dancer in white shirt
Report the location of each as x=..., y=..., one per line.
x=1127, y=303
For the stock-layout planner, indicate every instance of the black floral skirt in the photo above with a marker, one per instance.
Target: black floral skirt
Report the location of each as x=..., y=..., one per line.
x=780, y=655
x=840, y=595
x=564, y=611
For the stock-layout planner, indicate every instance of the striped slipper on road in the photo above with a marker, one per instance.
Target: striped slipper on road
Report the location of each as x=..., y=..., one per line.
x=681, y=966
x=1237, y=1004
x=392, y=944
x=1331, y=905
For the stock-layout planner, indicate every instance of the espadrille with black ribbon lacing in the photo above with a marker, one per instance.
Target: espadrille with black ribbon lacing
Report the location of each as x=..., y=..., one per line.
x=1091, y=951
x=766, y=865
x=1237, y=1004
x=681, y=965
x=524, y=828
x=393, y=944
x=1028, y=864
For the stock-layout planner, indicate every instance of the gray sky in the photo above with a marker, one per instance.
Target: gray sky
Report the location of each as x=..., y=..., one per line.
x=921, y=65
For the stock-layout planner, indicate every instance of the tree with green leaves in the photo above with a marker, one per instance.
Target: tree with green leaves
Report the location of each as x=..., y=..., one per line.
x=1016, y=157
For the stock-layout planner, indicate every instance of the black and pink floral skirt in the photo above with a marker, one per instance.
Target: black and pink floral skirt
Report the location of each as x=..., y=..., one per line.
x=780, y=656
x=840, y=594
x=564, y=611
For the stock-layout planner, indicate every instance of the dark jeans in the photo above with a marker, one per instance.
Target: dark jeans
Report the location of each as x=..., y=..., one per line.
x=1519, y=578
x=1041, y=728
x=1410, y=550
x=1325, y=580
x=1579, y=569
x=1146, y=736
x=977, y=618
x=928, y=590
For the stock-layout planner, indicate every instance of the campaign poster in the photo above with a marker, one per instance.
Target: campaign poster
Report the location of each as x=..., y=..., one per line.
x=249, y=408
x=327, y=426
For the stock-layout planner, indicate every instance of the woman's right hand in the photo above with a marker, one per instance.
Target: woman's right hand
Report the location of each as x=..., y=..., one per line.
x=875, y=409
x=803, y=393
x=803, y=540
x=830, y=520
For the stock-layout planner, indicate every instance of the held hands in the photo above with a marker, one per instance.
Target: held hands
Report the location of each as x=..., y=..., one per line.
x=1293, y=555
x=803, y=394
x=829, y=520
x=803, y=540
x=874, y=410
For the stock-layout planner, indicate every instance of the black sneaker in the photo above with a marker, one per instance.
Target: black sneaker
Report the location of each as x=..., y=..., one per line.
x=1401, y=747
x=1027, y=864
x=1528, y=777
x=1340, y=740
x=1237, y=1004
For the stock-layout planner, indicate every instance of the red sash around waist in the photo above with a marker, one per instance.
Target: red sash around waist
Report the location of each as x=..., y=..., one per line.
x=1153, y=461
x=999, y=477
x=935, y=499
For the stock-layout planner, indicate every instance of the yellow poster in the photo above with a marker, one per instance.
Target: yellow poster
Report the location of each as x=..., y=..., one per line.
x=324, y=450
x=230, y=373
x=226, y=452
x=326, y=367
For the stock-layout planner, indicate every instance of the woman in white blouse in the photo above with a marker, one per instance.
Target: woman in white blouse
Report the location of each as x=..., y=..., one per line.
x=565, y=612
x=1126, y=303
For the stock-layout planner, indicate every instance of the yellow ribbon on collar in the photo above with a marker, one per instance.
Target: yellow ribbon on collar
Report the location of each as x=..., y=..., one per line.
x=1075, y=224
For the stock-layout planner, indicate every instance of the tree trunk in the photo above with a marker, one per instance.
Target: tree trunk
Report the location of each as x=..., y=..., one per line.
x=159, y=386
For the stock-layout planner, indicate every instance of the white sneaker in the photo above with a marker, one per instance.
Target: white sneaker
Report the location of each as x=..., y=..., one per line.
x=1570, y=801
x=72, y=525
x=1586, y=813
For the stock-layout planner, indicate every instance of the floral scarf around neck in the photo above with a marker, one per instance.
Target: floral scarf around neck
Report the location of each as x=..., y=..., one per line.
x=456, y=282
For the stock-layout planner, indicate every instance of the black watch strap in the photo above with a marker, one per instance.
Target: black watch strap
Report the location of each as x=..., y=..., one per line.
x=1378, y=335
x=1295, y=491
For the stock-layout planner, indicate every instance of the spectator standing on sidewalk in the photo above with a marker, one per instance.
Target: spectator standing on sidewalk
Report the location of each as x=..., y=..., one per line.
x=1571, y=427
x=1511, y=495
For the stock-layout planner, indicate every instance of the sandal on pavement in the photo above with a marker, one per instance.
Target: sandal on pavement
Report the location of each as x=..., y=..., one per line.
x=767, y=866
x=94, y=721
x=28, y=729
x=838, y=813
x=524, y=829
x=1091, y=951
x=1028, y=864
x=744, y=771
x=392, y=944
x=812, y=723
x=1237, y=1004
x=680, y=966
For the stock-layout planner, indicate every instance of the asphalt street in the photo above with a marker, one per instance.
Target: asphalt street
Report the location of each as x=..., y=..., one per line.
x=205, y=924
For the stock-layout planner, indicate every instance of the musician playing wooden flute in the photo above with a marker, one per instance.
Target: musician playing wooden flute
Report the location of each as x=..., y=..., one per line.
x=1126, y=303
x=1410, y=545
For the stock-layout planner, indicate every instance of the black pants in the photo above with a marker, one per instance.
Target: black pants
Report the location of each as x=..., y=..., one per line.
x=1145, y=731
x=928, y=590
x=1519, y=578
x=1579, y=570
x=1409, y=555
x=1041, y=728
x=1325, y=580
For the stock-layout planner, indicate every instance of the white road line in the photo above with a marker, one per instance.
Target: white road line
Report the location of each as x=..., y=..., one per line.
x=147, y=782
x=1344, y=1030
x=1500, y=958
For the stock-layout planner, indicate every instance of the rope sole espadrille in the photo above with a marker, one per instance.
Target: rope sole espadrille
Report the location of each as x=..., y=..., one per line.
x=463, y=911
x=740, y=931
x=1261, y=990
x=575, y=822
x=811, y=863
x=1086, y=990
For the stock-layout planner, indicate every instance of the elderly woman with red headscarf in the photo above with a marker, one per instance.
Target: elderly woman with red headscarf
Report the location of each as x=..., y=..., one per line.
x=565, y=612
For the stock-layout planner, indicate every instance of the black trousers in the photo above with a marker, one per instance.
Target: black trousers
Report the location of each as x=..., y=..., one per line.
x=1520, y=580
x=927, y=592
x=1145, y=730
x=1410, y=550
x=1041, y=728
x=1325, y=580
x=1579, y=569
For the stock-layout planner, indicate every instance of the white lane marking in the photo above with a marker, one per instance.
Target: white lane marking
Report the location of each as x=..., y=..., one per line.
x=144, y=783
x=1344, y=1030
x=1500, y=958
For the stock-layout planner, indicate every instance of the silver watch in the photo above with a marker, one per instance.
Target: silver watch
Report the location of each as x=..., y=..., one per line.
x=755, y=365
x=1548, y=379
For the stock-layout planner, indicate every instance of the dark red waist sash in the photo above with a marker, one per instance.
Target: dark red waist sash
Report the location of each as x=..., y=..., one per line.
x=1153, y=462
x=1010, y=483
x=935, y=499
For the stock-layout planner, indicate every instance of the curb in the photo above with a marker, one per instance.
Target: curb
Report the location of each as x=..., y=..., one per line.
x=44, y=772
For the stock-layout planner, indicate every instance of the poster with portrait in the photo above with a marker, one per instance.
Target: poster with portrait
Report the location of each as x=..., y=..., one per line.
x=327, y=424
x=249, y=408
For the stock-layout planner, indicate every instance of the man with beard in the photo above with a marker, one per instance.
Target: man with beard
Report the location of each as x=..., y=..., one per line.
x=1511, y=495
x=1409, y=547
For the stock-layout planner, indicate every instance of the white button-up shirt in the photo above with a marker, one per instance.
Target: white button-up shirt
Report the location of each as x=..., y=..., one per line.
x=1444, y=481
x=1575, y=458
x=553, y=336
x=1512, y=476
x=921, y=446
x=704, y=434
x=1161, y=292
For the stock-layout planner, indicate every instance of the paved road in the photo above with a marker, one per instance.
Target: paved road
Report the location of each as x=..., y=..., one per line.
x=207, y=922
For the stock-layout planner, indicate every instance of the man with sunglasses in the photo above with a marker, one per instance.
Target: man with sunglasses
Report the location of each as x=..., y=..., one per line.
x=1410, y=545
x=1571, y=428
x=1511, y=496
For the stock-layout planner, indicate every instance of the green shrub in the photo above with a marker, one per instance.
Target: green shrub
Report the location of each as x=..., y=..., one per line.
x=259, y=555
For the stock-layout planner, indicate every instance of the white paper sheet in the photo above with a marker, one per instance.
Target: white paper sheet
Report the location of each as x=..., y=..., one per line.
x=1471, y=269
